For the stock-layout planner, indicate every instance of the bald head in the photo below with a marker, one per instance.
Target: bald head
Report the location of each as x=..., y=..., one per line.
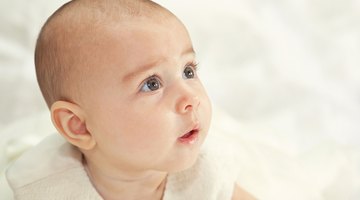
x=67, y=42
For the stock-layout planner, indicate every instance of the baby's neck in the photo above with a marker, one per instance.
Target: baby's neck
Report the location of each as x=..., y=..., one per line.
x=149, y=185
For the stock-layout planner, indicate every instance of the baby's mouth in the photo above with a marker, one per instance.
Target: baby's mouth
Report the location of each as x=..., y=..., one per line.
x=190, y=137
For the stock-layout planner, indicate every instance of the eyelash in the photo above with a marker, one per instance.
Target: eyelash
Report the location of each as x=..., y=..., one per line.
x=194, y=65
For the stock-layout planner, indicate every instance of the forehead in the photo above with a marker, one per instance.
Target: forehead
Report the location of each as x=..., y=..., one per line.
x=135, y=44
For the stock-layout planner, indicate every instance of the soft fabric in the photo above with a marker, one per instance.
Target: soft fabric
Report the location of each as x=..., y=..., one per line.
x=54, y=170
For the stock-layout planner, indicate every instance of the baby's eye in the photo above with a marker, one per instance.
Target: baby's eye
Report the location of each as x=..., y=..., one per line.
x=151, y=84
x=189, y=72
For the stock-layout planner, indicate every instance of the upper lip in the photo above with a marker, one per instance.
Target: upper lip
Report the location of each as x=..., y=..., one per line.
x=194, y=127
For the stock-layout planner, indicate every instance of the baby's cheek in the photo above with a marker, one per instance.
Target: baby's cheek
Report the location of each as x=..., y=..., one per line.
x=206, y=108
x=207, y=102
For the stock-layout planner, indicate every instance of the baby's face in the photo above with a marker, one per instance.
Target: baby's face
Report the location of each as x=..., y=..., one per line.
x=145, y=104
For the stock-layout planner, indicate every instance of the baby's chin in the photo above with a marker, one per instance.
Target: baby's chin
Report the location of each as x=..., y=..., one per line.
x=188, y=157
x=184, y=163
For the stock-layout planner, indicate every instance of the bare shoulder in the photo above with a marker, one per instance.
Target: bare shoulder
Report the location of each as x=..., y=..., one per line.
x=241, y=194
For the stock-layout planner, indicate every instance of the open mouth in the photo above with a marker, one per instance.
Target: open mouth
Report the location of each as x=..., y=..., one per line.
x=189, y=137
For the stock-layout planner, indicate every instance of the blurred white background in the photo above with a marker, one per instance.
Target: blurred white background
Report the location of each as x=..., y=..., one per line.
x=287, y=70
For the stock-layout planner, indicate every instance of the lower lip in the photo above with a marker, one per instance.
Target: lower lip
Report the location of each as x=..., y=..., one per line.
x=191, y=139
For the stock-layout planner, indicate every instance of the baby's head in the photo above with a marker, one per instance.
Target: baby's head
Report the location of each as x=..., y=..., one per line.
x=119, y=77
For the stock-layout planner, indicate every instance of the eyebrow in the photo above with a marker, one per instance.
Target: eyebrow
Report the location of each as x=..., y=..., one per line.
x=133, y=74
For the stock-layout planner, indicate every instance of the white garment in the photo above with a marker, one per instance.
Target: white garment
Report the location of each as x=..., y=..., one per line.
x=54, y=170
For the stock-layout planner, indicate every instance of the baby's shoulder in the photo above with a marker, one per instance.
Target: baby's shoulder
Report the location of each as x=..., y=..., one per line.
x=52, y=168
x=241, y=194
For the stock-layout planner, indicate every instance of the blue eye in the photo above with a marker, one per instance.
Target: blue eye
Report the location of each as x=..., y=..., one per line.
x=151, y=84
x=188, y=73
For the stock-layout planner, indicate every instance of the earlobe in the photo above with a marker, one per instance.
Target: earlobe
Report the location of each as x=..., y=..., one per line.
x=69, y=120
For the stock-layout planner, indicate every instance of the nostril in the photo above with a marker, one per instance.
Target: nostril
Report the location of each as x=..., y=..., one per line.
x=188, y=107
x=192, y=103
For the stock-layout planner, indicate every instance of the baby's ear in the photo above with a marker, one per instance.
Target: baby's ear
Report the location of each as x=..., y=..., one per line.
x=69, y=120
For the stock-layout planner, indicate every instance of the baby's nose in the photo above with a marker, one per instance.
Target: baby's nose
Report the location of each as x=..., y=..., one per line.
x=188, y=103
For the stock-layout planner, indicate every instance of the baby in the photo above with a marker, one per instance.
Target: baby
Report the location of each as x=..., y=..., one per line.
x=120, y=79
